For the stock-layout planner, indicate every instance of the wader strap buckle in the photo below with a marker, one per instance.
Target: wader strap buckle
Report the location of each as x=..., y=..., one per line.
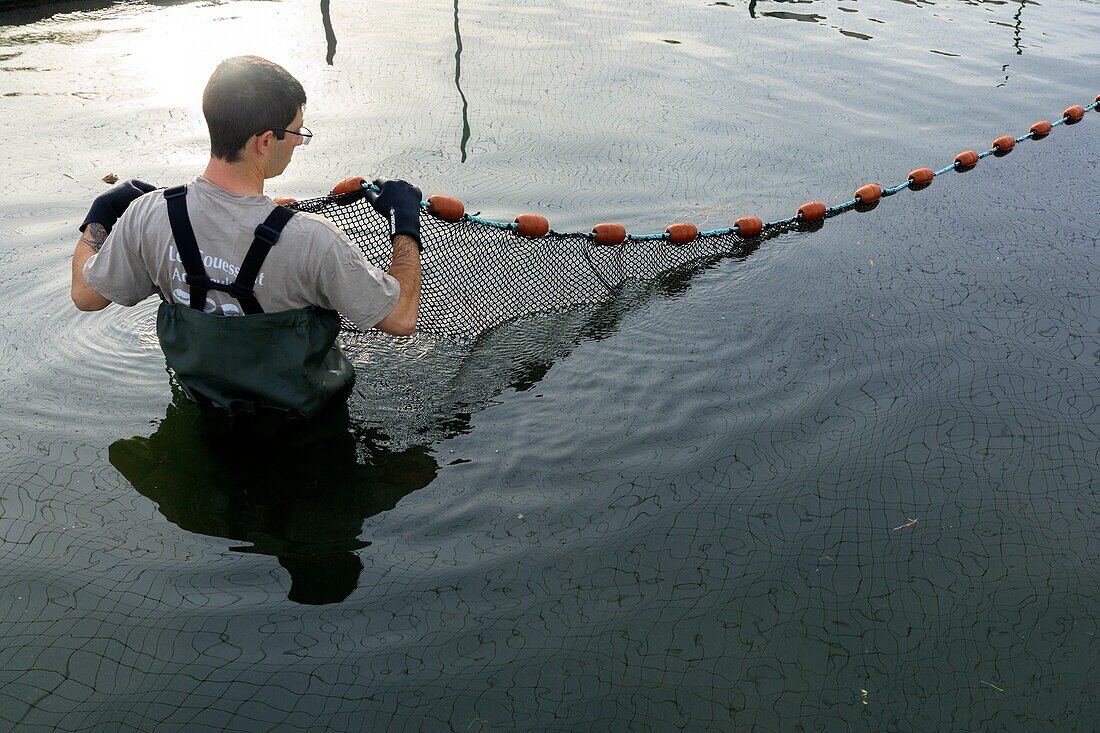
x=267, y=235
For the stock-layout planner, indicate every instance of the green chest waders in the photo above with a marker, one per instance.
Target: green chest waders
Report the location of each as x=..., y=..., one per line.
x=288, y=361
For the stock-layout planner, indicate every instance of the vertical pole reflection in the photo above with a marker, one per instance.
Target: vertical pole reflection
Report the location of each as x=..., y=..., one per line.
x=1018, y=37
x=330, y=34
x=458, y=85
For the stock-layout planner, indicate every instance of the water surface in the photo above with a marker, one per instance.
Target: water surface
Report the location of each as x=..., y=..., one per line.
x=845, y=482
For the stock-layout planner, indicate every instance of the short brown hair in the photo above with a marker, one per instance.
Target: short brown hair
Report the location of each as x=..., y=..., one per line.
x=247, y=95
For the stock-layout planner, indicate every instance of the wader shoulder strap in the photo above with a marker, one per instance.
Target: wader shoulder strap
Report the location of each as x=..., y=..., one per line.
x=186, y=245
x=266, y=236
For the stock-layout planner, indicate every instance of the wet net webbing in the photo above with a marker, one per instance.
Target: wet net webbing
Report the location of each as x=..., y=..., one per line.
x=479, y=273
x=476, y=276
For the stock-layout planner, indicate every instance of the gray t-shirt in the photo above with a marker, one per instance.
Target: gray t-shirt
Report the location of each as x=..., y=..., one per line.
x=314, y=263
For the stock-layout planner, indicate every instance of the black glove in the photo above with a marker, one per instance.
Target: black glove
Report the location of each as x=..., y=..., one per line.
x=109, y=206
x=399, y=202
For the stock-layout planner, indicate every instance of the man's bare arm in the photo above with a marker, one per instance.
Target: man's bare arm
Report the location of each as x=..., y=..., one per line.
x=405, y=269
x=84, y=297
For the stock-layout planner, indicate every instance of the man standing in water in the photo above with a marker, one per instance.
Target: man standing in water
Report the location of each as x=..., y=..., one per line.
x=218, y=248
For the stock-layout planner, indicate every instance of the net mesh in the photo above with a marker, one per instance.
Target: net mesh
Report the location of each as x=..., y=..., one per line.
x=476, y=276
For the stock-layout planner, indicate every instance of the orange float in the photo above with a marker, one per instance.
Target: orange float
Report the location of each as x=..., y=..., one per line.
x=921, y=176
x=1041, y=128
x=531, y=225
x=868, y=193
x=682, y=232
x=609, y=234
x=967, y=159
x=811, y=211
x=1004, y=143
x=1074, y=114
x=749, y=226
x=446, y=208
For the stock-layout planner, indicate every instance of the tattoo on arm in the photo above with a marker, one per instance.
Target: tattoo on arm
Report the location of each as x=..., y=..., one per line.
x=93, y=236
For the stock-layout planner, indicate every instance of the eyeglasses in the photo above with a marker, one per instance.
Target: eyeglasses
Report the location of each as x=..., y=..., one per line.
x=304, y=132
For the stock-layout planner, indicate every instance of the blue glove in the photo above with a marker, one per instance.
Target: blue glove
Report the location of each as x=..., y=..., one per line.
x=399, y=202
x=108, y=207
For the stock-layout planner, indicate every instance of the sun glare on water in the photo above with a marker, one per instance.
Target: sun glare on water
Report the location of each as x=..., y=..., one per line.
x=167, y=56
x=174, y=50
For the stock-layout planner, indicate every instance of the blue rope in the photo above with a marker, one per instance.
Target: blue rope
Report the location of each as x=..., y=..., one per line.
x=951, y=167
x=985, y=154
x=490, y=222
x=894, y=189
x=646, y=237
x=841, y=207
x=718, y=232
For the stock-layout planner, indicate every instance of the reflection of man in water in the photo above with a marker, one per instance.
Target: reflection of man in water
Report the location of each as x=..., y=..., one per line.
x=218, y=249
x=302, y=499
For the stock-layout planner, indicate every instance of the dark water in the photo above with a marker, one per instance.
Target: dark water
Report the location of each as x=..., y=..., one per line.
x=846, y=482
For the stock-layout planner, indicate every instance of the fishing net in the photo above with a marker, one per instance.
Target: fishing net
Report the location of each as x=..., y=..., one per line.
x=476, y=275
x=479, y=273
